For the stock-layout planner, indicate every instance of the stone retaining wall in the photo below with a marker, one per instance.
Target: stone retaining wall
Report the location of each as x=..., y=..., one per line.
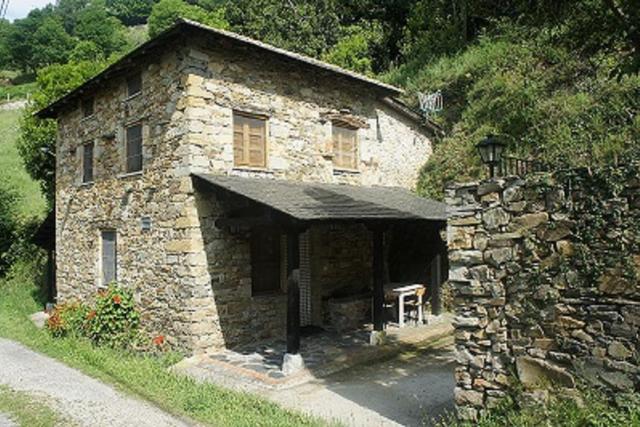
x=526, y=307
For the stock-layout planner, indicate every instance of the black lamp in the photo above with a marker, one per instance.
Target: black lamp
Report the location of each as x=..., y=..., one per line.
x=490, y=150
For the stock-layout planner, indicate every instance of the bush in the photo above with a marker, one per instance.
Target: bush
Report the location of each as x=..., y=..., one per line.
x=114, y=321
x=67, y=319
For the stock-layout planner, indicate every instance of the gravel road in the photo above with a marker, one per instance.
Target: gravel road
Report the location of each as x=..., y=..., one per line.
x=77, y=397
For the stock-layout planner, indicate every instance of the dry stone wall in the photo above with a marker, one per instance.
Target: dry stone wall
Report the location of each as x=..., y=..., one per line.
x=545, y=273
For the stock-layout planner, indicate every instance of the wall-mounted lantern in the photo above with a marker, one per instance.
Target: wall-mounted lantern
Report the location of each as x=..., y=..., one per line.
x=490, y=150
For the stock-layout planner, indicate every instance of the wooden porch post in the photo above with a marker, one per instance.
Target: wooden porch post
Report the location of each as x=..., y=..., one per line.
x=378, y=278
x=293, y=292
x=436, y=277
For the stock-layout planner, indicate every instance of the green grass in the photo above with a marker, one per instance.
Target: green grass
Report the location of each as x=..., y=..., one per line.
x=144, y=376
x=27, y=410
x=12, y=169
x=17, y=92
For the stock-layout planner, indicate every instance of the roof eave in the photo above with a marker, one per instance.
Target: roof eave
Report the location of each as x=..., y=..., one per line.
x=52, y=110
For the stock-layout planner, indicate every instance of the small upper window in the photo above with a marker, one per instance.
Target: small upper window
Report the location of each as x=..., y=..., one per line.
x=134, y=148
x=87, y=162
x=134, y=84
x=88, y=106
x=345, y=146
x=249, y=140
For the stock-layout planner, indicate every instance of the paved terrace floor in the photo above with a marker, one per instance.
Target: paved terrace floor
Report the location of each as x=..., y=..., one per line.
x=404, y=382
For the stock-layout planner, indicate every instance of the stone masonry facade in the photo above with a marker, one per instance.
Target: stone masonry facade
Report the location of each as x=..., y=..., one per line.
x=523, y=305
x=192, y=280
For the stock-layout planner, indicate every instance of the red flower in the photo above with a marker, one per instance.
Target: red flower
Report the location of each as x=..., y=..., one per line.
x=91, y=314
x=159, y=340
x=117, y=299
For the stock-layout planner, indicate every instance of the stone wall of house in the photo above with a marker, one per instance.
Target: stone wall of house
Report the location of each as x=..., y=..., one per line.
x=392, y=148
x=156, y=264
x=540, y=288
x=191, y=280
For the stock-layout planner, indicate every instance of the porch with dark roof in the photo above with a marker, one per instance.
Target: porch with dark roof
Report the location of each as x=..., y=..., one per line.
x=293, y=207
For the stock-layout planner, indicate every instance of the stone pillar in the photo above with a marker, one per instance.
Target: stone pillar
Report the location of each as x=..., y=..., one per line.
x=475, y=273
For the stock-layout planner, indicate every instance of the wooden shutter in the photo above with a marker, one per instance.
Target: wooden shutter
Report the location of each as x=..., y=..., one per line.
x=265, y=261
x=345, y=147
x=249, y=141
x=87, y=162
x=109, y=260
x=134, y=148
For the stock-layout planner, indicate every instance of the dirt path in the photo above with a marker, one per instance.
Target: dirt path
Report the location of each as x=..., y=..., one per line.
x=82, y=399
x=408, y=390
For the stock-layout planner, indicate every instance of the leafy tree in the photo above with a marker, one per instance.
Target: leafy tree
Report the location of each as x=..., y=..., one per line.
x=306, y=26
x=130, y=12
x=21, y=38
x=94, y=24
x=166, y=12
x=68, y=10
x=353, y=51
x=51, y=43
x=37, y=137
x=86, y=50
x=9, y=197
x=5, y=29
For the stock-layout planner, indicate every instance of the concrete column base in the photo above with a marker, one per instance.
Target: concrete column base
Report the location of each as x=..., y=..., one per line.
x=292, y=363
x=377, y=337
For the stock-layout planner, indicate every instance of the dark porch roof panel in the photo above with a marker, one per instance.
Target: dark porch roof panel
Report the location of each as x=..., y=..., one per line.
x=317, y=202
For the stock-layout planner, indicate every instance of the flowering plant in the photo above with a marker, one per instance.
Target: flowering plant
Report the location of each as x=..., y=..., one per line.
x=114, y=321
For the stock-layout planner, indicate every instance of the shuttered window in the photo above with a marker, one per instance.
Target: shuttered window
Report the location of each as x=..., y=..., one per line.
x=134, y=148
x=265, y=261
x=87, y=162
x=109, y=257
x=249, y=140
x=345, y=146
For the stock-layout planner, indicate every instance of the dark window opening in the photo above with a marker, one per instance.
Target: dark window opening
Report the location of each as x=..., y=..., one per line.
x=109, y=257
x=88, y=106
x=87, y=162
x=134, y=84
x=134, y=149
x=265, y=261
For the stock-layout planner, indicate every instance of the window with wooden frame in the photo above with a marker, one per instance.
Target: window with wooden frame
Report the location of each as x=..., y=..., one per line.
x=134, y=84
x=109, y=259
x=88, y=106
x=134, y=148
x=249, y=140
x=87, y=162
x=265, y=261
x=345, y=146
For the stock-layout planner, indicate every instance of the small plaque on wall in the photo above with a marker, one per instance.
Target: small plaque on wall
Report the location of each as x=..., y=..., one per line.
x=145, y=223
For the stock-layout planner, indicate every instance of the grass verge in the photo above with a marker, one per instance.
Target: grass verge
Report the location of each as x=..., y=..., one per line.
x=26, y=410
x=12, y=169
x=144, y=376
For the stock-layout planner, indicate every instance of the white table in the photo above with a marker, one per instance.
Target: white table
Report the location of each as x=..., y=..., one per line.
x=402, y=290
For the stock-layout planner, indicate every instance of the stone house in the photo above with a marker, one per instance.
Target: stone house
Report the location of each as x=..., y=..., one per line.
x=239, y=189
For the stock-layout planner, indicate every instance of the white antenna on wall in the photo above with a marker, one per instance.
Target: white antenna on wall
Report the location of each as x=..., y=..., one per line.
x=430, y=103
